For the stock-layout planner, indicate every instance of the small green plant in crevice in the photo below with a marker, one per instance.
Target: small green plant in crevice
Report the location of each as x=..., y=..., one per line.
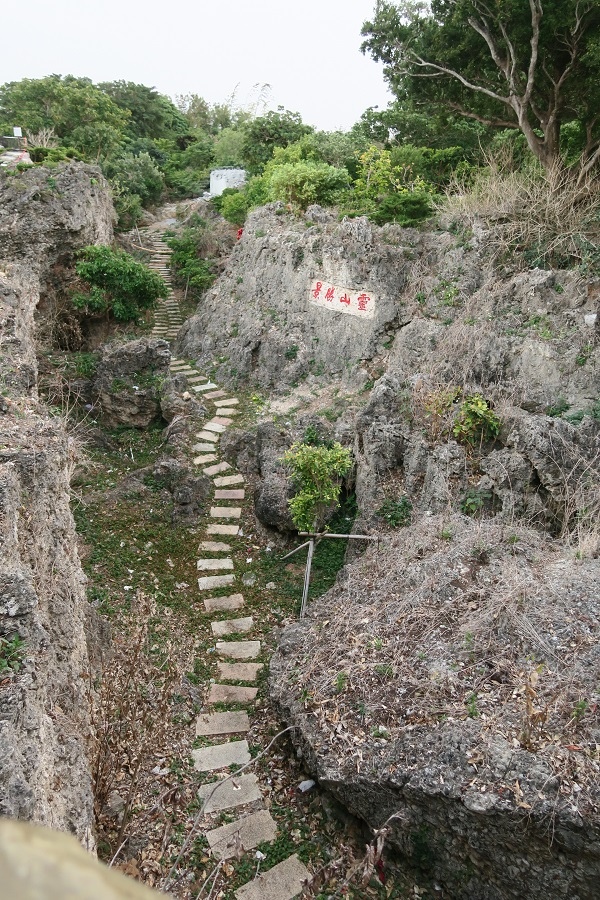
x=579, y=710
x=584, y=354
x=396, y=513
x=474, y=501
x=11, y=654
x=471, y=704
x=446, y=534
x=557, y=409
x=384, y=670
x=476, y=422
x=291, y=352
x=341, y=680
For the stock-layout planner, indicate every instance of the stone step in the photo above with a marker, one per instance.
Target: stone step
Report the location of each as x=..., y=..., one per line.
x=228, y=412
x=223, y=529
x=239, y=671
x=214, y=547
x=204, y=387
x=232, y=402
x=180, y=367
x=214, y=426
x=230, y=495
x=214, y=470
x=221, y=420
x=228, y=794
x=210, y=724
x=197, y=378
x=223, y=604
x=239, y=649
x=205, y=458
x=208, y=436
x=203, y=448
x=232, y=626
x=214, y=394
x=224, y=480
x=207, y=759
x=282, y=882
x=209, y=582
x=225, y=512
x=211, y=565
x=243, y=834
x=231, y=693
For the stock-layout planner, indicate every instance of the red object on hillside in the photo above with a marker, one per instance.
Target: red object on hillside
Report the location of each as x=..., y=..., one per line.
x=240, y=233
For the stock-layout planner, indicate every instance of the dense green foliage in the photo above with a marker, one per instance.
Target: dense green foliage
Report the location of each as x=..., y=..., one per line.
x=533, y=67
x=117, y=284
x=189, y=266
x=316, y=472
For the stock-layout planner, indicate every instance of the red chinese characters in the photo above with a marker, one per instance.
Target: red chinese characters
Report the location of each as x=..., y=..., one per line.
x=362, y=301
x=317, y=291
x=330, y=294
x=345, y=299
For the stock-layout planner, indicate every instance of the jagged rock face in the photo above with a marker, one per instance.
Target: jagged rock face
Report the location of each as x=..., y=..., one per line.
x=128, y=382
x=44, y=712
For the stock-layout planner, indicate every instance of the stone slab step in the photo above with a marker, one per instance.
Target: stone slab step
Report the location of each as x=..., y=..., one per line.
x=214, y=426
x=239, y=671
x=181, y=367
x=203, y=448
x=241, y=835
x=205, y=458
x=283, y=882
x=222, y=529
x=210, y=724
x=196, y=379
x=225, y=512
x=214, y=547
x=230, y=495
x=214, y=581
x=208, y=436
x=232, y=626
x=210, y=565
x=229, y=794
x=207, y=759
x=232, y=402
x=204, y=387
x=224, y=480
x=229, y=412
x=221, y=420
x=214, y=470
x=239, y=649
x=214, y=394
x=223, y=604
x=231, y=693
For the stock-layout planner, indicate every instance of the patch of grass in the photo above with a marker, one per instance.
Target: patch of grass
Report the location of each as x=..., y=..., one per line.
x=11, y=654
x=396, y=513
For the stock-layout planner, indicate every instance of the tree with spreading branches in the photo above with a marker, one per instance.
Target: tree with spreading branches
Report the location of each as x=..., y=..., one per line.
x=530, y=65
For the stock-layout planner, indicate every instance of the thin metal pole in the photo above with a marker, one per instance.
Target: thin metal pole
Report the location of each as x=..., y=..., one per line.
x=291, y=553
x=349, y=537
x=311, y=548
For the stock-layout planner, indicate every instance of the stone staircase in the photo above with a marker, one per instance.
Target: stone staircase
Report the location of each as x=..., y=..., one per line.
x=219, y=572
x=167, y=318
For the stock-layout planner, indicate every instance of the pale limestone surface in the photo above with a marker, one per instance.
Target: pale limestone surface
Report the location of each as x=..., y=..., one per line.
x=210, y=724
x=222, y=604
x=243, y=834
x=239, y=649
x=235, y=791
x=282, y=882
x=220, y=756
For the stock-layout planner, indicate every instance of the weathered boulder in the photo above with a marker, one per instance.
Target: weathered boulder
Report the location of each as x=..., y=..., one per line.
x=128, y=381
x=452, y=694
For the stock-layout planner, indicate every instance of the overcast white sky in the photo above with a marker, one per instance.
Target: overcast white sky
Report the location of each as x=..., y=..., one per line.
x=307, y=50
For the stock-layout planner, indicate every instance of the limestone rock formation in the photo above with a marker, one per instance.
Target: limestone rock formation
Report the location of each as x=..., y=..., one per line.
x=44, y=771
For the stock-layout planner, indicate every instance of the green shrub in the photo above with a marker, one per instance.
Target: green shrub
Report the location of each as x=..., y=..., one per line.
x=187, y=264
x=404, y=208
x=316, y=472
x=235, y=208
x=307, y=182
x=118, y=284
x=476, y=422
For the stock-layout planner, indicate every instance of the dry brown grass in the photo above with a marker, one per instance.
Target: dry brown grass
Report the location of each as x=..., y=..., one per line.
x=548, y=213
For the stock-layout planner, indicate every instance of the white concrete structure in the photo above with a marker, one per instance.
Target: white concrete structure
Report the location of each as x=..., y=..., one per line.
x=226, y=178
